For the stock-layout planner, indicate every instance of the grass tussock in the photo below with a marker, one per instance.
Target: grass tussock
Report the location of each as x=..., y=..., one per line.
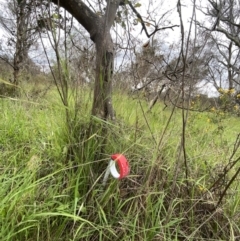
x=52, y=171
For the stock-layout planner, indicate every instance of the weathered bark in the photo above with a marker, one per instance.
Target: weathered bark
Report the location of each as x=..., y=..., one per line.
x=22, y=45
x=102, y=102
x=99, y=30
x=230, y=70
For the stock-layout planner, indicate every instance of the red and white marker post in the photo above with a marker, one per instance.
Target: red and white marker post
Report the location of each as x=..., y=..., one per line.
x=123, y=167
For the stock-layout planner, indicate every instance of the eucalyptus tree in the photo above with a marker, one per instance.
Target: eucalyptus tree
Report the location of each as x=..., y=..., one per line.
x=99, y=29
x=223, y=64
x=225, y=18
x=98, y=18
x=18, y=22
x=223, y=31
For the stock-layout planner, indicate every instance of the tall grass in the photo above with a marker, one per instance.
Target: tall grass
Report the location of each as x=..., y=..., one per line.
x=49, y=190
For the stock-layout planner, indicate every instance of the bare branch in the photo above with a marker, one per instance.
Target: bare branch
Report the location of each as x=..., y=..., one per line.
x=6, y=61
x=84, y=15
x=143, y=23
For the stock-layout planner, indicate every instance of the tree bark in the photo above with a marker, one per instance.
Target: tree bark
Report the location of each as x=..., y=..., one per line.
x=23, y=42
x=102, y=102
x=99, y=30
x=18, y=55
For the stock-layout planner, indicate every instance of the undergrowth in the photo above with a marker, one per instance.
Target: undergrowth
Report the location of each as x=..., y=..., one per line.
x=50, y=189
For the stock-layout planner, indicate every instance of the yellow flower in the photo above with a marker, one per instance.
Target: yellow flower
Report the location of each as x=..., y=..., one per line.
x=236, y=107
x=201, y=188
x=213, y=109
x=238, y=96
x=220, y=90
x=208, y=120
x=231, y=91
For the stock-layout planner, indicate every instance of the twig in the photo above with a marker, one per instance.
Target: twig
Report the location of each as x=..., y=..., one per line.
x=143, y=24
x=227, y=187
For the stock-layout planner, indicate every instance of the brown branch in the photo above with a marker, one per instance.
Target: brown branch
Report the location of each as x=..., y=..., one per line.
x=110, y=14
x=143, y=24
x=148, y=83
x=226, y=170
x=229, y=36
x=82, y=13
x=7, y=61
x=227, y=187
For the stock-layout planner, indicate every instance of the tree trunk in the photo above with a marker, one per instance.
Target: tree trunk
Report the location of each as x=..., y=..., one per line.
x=18, y=46
x=102, y=102
x=21, y=47
x=99, y=30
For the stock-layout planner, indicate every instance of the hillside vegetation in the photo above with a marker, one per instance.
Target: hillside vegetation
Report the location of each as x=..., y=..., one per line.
x=174, y=191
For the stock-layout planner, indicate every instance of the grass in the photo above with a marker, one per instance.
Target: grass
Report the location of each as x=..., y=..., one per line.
x=49, y=190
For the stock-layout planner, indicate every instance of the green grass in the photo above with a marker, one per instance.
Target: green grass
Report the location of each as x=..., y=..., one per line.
x=50, y=190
